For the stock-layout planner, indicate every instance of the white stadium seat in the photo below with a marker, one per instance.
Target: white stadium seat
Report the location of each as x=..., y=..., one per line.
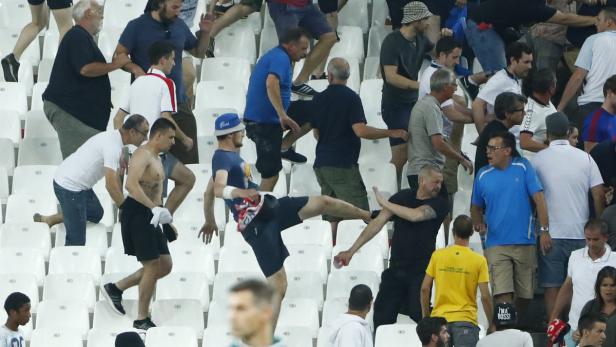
x=21, y=207
x=375, y=39
x=179, y=313
x=372, y=69
x=366, y=258
x=268, y=40
x=295, y=336
x=220, y=94
x=44, y=70
x=9, y=36
x=75, y=260
x=26, y=234
x=355, y=13
x=226, y=68
x=13, y=96
x=184, y=285
x=397, y=335
x=188, y=233
x=37, y=125
x=217, y=316
x=340, y=283
x=304, y=285
x=23, y=283
x=374, y=151
x=4, y=185
x=300, y=313
x=51, y=41
x=380, y=12
x=11, y=130
x=63, y=315
x=234, y=260
x=37, y=96
x=351, y=43
x=370, y=93
x=192, y=258
x=237, y=42
x=307, y=145
x=171, y=336
x=14, y=14
x=39, y=151
x=217, y=336
x=118, y=262
x=307, y=258
x=22, y=261
x=349, y=231
x=206, y=118
x=310, y=232
x=207, y=145
x=69, y=287
x=119, y=12
x=106, y=319
x=7, y=159
x=96, y=238
x=108, y=41
x=304, y=181
x=34, y=179
x=56, y=337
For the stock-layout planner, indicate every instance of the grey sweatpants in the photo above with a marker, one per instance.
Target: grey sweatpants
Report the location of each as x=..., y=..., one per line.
x=72, y=133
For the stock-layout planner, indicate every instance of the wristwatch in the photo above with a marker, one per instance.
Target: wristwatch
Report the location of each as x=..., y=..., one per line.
x=545, y=229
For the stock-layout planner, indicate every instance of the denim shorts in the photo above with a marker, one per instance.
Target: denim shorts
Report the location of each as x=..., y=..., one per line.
x=553, y=266
x=463, y=334
x=309, y=17
x=488, y=46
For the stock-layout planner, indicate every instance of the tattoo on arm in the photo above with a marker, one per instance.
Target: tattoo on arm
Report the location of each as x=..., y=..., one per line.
x=427, y=213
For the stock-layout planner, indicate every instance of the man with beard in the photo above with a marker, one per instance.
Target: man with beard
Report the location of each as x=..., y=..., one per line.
x=163, y=23
x=432, y=332
x=417, y=215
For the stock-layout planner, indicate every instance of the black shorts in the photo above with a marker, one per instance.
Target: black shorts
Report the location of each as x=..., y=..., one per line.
x=396, y=116
x=140, y=238
x=328, y=6
x=268, y=140
x=53, y=4
x=265, y=236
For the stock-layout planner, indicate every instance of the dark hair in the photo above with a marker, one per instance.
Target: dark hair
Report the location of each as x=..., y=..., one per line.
x=597, y=224
x=160, y=125
x=609, y=85
x=515, y=50
x=540, y=81
x=609, y=13
x=15, y=301
x=153, y=5
x=606, y=272
x=506, y=102
x=508, y=141
x=587, y=321
x=463, y=227
x=360, y=298
x=294, y=35
x=429, y=326
x=128, y=339
x=570, y=129
x=133, y=122
x=158, y=50
x=446, y=45
x=262, y=292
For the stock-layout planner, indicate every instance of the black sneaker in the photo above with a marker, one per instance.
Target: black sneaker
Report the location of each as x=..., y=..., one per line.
x=220, y=9
x=114, y=297
x=303, y=90
x=293, y=156
x=144, y=324
x=10, y=67
x=322, y=77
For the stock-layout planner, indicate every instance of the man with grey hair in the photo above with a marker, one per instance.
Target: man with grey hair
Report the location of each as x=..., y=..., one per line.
x=427, y=144
x=77, y=101
x=339, y=123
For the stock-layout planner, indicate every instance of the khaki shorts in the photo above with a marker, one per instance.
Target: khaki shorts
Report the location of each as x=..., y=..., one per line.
x=512, y=269
x=342, y=183
x=450, y=175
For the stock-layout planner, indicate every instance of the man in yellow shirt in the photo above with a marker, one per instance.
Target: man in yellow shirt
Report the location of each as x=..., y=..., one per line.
x=458, y=271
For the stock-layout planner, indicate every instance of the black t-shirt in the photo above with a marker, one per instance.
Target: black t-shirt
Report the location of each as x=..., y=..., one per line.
x=408, y=57
x=413, y=242
x=335, y=110
x=86, y=98
x=481, y=158
x=510, y=13
x=604, y=154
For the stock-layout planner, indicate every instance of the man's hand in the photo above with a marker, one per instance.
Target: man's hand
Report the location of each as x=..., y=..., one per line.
x=379, y=197
x=119, y=60
x=609, y=195
x=446, y=32
x=480, y=228
x=188, y=143
x=545, y=241
x=206, y=22
x=287, y=122
x=468, y=166
x=343, y=258
x=399, y=134
x=207, y=231
x=248, y=193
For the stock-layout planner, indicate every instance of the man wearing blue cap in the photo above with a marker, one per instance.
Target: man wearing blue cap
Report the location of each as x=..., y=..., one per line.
x=260, y=219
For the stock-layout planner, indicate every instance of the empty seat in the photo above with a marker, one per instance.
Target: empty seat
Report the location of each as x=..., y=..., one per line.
x=207, y=145
x=39, y=151
x=22, y=261
x=44, y=70
x=33, y=179
x=23, y=283
x=310, y=232
x=248, y=152
x=171, y=336
x=217, y=316
x=106, y=338
x=37, y=125
x=131, y=293
x=372, y=69
x=234, y=239
x=217, y=336
x=303, y=181
x=63, y=315
x=205, y=123
x=396, y=335
x=9, y=36
x=77, y=287
x=118, y=262
x=269, y=39
x=381, y=175
x=295, y=336
x=13, y=96
x=226, y=68
x=11, y=130
x=108, y=40
x=192, y=258
x=55, y=337
x=75, y=260
x=188, y=232
x=7, y=159
x=307, y=145
x=185, y=285
x=27, y=235
x=220, y=94
x=300, y=313
x=236, y=260
x=351, y=43
x=370, y=93
x=305, y=285
x=96, y=238
x=375, y=38
x=374, y=151
x=340, y=283
x=50, y=43
x=236, y=42
x=14, y=14
x=37, y=96
x=225, y=280
x=191, y=210
x=307, y=258
x=349, y=231
x=21, y=207
x=355, y=14
x=179, y=313
x=119, y=12
x=202, y=171
x=4, y=186
x=106, y=319
x=366, y=258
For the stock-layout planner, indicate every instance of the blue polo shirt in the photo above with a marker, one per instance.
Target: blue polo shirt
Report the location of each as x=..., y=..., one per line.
x=238, y=174
x=506, y=196
x=141, y=32
x=259, y=109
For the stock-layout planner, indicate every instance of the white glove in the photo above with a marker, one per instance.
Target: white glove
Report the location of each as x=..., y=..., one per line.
x=161, y=216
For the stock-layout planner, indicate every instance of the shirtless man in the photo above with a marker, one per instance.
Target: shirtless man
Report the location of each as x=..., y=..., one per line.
x=232, y=182
x=141, y=218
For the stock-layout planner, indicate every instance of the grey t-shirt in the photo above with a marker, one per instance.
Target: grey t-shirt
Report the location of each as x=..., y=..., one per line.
x=426, y=120
x=408, y=57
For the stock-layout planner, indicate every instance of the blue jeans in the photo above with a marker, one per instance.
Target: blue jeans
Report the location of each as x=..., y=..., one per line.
x=78, y=208
x=463, y=334
x=487, y=45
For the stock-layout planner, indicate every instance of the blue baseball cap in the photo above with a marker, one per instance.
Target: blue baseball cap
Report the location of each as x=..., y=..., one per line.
x=228, y=123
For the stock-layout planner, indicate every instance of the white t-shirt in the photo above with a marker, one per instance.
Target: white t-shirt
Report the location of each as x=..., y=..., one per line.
x=507, y=338
x=567, y=175
x=534, y=122
x=86, y=166
x=583, y=272
x=597, y=56
x=149, y=95
x=502, y=81
x=10, y=338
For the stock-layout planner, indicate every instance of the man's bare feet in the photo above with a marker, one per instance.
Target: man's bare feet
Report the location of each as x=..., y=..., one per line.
x=49, y=220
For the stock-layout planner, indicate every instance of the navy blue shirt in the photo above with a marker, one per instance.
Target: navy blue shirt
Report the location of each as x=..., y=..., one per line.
x=141, y=32
x=335, y=110
x=238, y=171
x=86, y=98
x=258, y=106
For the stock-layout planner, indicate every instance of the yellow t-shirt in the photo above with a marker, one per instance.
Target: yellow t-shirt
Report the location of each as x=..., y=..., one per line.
x=457, y=271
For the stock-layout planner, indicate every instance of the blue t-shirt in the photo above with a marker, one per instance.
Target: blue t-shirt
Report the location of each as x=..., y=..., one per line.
x=505, y=196
x=239, y=174
x=258, y=106
x=599, y=126
x=141, y=32
x=335, y=110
